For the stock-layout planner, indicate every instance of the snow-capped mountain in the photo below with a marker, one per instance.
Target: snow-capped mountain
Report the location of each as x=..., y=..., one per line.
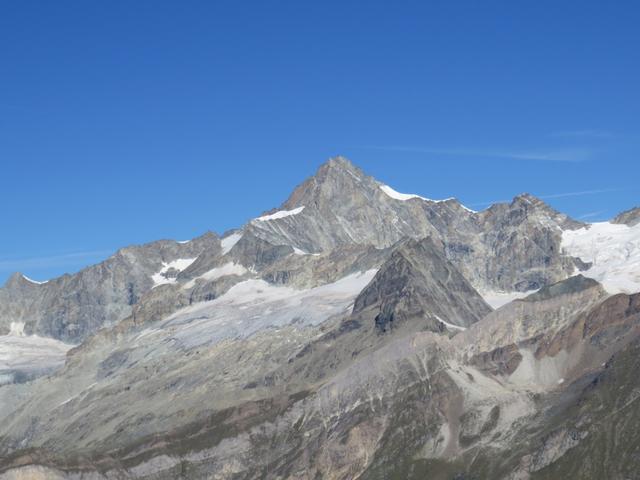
x=352, y=332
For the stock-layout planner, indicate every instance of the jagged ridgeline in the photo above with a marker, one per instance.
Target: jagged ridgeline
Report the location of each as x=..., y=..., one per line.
x=354, y=332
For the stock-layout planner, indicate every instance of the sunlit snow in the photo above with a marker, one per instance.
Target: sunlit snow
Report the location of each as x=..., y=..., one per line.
x=229, y=241
x=450, y=326
x=16, y=328
x=28, y=354
x=280, y=214
x=253, y=305
x=408, y=196
x=30, y=280
x=614, y=251
x=180, y=264
x=218, y=272
x=498, y=299
x=397, y=195
x=298, y=251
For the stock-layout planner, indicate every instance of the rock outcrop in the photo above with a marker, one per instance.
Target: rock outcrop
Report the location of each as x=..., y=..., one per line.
x=418, y=284
x=339, y=336
x=629, y=217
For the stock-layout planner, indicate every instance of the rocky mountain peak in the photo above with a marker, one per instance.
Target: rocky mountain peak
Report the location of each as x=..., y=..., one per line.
x=418, y=284
x=19, y=282
x=530, y=203
x=352, y=302
x=16, y=280
x=571, y=285
x=525, y=207
x=335, y=180
x=528, y=200
x=628, y=217
x=339, y=164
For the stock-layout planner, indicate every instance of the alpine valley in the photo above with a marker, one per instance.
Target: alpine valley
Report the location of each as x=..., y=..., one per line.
x=354, y=332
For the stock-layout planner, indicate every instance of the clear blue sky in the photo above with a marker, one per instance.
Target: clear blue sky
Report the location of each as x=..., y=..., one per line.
x=126, y=122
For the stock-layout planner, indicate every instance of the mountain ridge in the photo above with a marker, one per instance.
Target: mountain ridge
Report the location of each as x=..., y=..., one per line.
x=346, y=206
x=345, y=334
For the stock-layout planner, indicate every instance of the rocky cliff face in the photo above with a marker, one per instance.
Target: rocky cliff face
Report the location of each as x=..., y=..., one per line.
x=629, y=217
x=339, y=336
x=506, y=247
x=418, y=284
x=72, y=307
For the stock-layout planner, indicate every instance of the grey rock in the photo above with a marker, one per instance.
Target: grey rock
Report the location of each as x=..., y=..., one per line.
x=417, y=283
x=72, y=307
x=266, y=369
x=629, y=217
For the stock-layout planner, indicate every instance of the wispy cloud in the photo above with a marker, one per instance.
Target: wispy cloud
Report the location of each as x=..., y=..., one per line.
x=549, y=155
x=556, y=195
x=579, y=194
x=62, y=260
x=583, y=134
x=591, y=215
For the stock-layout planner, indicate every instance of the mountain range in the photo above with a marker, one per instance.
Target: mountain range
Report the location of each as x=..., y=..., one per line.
x=354, y=332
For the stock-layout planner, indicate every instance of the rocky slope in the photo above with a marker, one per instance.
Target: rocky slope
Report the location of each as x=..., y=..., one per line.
x=72, y=307
x=417, y=282
x=508, y=247
x=343, y=335
x=629, y=217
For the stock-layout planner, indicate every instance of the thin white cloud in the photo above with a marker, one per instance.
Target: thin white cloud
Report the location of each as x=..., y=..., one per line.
x=62, y=260
x=550, y=155
x=583, y=134
x=556, y=195
x=579, y=194
x=590, y=215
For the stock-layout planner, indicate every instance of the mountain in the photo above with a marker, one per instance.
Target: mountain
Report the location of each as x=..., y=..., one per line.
x=72, y=307
x=417, y=282
x=508, y=247
x=629, y=217
x=354, y=332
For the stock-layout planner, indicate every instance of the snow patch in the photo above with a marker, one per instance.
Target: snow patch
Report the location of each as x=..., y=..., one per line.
x=180, y=264
x=468, y=209
x=29, y=354
x=297, y=251
x=280, y=214
x=254, y=305
x=16, y=329
x=498, y=299
x=36, y=282
x=399, y=196
x=230, y=268
x=614, y=251
x=229, y=241
x=450, y=326
x=408, y=196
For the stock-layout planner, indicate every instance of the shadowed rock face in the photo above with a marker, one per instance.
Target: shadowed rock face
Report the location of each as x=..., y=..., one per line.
x=418, y=283
x=343, y=340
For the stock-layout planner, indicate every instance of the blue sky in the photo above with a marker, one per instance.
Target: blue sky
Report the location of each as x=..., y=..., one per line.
x=126, y=122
